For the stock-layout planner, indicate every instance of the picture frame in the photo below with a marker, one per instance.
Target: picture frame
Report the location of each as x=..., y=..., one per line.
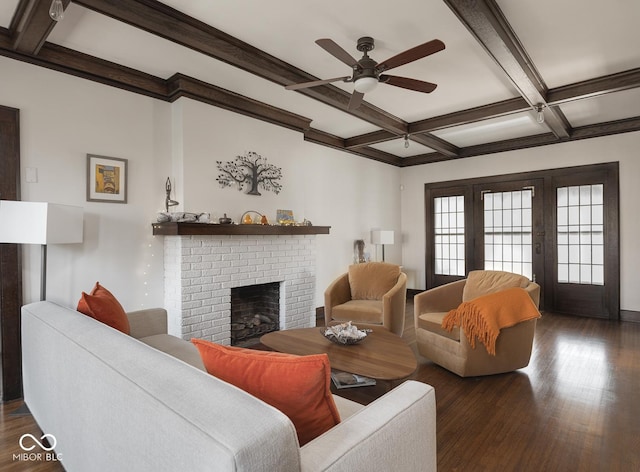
x=106, y=179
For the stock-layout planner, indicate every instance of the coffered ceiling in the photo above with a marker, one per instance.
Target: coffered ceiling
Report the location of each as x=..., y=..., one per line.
x=578, y=59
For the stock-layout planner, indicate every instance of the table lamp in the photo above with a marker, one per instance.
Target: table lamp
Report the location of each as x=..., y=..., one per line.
x=382, y=237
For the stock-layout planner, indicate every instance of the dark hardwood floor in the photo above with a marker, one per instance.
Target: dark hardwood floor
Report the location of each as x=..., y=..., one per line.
x=576, y=407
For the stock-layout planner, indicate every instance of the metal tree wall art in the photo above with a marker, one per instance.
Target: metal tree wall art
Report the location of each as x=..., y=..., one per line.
x=250, y=170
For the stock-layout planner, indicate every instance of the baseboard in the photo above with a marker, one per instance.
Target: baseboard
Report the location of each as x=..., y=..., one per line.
x=22, y=410
x=629, y=315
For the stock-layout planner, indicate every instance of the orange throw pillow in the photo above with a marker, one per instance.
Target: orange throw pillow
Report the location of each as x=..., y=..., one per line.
x=104, y=307
x=298, y=386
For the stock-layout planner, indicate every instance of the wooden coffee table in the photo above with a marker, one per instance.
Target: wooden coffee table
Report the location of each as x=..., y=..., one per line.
x=382, y=355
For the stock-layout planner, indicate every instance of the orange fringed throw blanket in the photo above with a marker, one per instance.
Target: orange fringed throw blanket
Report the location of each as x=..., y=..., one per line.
x=485, y=316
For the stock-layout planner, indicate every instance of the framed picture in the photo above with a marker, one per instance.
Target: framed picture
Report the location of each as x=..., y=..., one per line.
x=106, y=179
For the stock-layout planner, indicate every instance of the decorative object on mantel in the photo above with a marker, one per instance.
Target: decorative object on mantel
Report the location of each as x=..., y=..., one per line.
x=167, y=201
x=251, y=169
x=225, y=220
x=183, y=217
x=247, y=220
x=285, y=217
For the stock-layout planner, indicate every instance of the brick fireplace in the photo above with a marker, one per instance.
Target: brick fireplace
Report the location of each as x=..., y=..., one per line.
x=201, y=269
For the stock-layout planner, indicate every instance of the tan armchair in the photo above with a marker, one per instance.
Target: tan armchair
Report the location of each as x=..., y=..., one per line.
x=370, y=294
x=452, y=350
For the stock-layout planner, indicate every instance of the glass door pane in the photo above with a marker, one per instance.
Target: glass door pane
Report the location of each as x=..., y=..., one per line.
x=580, y=233
x=508, y=231
x=449, y=246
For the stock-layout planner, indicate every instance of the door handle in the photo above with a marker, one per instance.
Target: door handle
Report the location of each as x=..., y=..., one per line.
x=538, y=248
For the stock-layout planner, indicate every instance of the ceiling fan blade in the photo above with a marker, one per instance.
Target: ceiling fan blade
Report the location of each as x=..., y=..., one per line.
x=411, y=55
x=356, y=100
x=336, y=51
x=411, y=84
x=315, y=83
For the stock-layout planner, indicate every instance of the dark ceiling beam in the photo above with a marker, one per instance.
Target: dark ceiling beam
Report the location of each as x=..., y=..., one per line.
x=485, y=21
x=31, y=25
x=161, y=20
x=326, y=139
x=606, y=129
x=89, y=67
x=369, y=138
x=591, y=88
x=580, y=90
x=436, y=143
x=182, y=86
x=458, y=118
x=428, y=140
x=484, y=112
x=584, y=132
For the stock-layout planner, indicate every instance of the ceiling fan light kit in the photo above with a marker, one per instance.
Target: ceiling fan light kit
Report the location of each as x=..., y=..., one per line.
x=365, y=84
x=367, y=73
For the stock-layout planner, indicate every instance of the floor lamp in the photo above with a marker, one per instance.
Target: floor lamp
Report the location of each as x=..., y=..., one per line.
x=40, y=223
x=382, y=237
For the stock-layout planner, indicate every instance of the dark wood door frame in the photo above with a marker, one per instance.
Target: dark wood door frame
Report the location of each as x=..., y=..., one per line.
x=612, y=233
x=10, y=260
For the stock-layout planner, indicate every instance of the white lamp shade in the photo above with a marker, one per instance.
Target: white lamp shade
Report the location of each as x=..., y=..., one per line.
x=365, y=84
x=39, y=223
x=382, y=236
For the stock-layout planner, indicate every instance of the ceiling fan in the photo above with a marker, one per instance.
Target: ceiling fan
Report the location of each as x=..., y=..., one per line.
x=367, y=72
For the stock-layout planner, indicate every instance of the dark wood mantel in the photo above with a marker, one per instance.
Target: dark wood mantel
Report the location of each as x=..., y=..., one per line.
x=204, y=229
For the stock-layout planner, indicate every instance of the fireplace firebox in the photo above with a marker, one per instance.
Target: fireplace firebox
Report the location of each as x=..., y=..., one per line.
x=255, y=310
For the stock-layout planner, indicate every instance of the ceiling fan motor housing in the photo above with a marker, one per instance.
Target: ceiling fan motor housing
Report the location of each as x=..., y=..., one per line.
x=366, y=67
x=365, y=44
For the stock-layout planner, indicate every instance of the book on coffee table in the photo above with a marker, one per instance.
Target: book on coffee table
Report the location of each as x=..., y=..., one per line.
x=349, y=380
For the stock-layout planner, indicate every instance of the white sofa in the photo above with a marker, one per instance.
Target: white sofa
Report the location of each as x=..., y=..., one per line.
x=114, y=402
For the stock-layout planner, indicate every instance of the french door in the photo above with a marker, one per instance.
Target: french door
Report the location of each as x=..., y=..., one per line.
x=558, y=227
x=585, y=260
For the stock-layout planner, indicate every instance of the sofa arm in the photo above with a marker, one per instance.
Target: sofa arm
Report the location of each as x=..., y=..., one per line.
x=396, y=432
x=148, y=322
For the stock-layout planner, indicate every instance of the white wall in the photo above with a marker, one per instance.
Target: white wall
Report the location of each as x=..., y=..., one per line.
x=622, y=148
x=328, y=187
x=62, y=118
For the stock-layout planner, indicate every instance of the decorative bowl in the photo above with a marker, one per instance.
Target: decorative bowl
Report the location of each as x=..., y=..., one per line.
x=345, y=333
